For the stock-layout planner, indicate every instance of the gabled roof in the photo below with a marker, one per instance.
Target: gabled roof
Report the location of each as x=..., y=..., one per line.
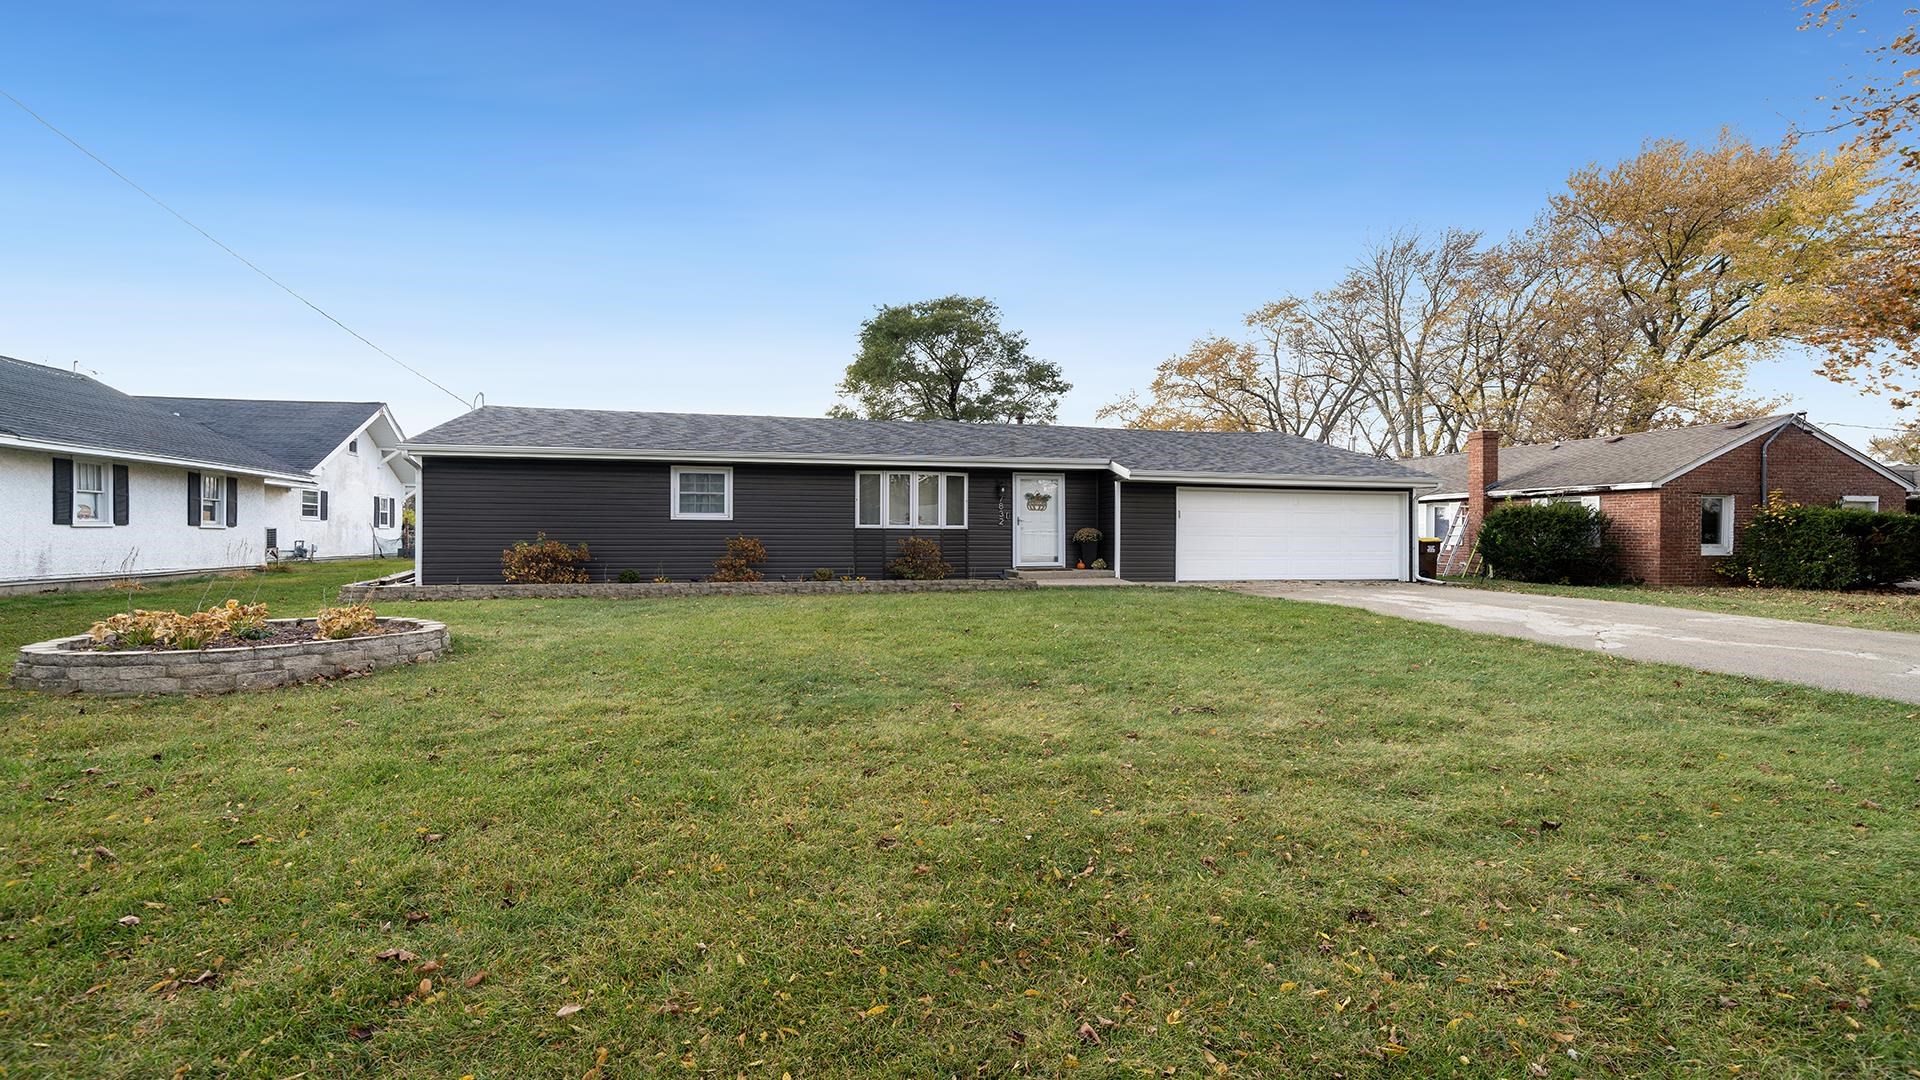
x=1647, y=459
x=300, y=433
x=496, y=430
x=47, y=408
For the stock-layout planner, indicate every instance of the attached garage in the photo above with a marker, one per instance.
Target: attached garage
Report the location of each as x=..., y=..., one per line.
x=1256, y=534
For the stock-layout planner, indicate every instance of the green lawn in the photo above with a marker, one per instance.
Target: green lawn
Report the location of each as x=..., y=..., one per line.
x=1866, y=610
x=1149, y=832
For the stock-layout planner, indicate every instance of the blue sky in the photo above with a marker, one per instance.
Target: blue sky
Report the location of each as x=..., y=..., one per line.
x=693, y=207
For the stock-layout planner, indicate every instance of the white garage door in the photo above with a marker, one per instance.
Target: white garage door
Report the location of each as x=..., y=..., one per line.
x=1242, y=534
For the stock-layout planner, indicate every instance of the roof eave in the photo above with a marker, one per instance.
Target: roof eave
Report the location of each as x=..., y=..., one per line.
x=425, y=450
x=115, y=454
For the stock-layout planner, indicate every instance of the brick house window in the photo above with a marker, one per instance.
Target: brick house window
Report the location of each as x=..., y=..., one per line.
x=1716, y=525
x=1860, y=502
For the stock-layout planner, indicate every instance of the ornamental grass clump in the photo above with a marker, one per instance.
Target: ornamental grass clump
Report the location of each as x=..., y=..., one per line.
x=544, y=562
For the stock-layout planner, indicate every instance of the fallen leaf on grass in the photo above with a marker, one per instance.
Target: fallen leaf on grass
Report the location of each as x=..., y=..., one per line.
x=568, y=1009
x=599, y=1063
x=475, y=979
x=868, y=1014
x=129, y=920
x=886, y=842
x=1087, y=1034
x=361, y=1033
x=104, y=852
x=429, y=967
x=400, y=955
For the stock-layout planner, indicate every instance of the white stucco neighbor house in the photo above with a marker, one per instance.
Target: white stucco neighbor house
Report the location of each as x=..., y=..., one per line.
x=97, y=486
x=351, y=508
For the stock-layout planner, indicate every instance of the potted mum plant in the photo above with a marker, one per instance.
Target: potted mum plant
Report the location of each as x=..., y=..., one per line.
x=1089, y=541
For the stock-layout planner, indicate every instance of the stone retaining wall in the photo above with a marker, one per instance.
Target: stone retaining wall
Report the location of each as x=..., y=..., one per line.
x=366, y=593
x=51, y=667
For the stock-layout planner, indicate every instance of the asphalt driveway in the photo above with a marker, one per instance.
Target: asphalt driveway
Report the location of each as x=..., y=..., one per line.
x=1878, y=663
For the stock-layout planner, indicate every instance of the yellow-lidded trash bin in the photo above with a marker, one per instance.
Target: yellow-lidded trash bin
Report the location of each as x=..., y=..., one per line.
x=1429, y=556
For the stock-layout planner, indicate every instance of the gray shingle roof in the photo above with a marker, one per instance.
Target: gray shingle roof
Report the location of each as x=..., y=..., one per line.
x=498, y=427
x=300, y=433
x=47, y=405
x=1610, y=461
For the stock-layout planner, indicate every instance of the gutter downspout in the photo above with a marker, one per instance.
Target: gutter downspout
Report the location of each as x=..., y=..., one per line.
x=1766, y=493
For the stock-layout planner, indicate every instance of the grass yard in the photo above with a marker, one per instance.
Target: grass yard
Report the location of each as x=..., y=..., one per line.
x=1135, y=832
x=1865, y=610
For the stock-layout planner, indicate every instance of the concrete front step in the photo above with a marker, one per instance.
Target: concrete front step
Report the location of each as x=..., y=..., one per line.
x=1062, y=575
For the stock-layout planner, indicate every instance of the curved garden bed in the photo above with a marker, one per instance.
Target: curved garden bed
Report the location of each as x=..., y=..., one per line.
x=72, y=665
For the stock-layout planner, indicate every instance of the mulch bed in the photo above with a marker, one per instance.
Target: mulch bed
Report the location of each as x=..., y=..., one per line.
x=278, y=634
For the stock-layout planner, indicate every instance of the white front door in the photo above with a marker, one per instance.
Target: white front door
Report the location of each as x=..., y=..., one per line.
x=1039, y=519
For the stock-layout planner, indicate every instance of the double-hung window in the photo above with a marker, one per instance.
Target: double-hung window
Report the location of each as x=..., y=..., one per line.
x=213, y=501
x=310, y=504
x=701, y=492
x=1716, y=525
x=1860, y=502
x=92, y=499
x=910, y=500
x=383, y=519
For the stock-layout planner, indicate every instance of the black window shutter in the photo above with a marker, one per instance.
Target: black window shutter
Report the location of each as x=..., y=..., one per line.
x=376, y=511
x=120, y=485
x=63, y=491
x=323, y=506
x=233, y=501
x=193, y=498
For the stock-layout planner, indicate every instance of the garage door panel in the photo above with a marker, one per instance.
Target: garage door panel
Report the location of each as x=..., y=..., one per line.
x=1226, y=534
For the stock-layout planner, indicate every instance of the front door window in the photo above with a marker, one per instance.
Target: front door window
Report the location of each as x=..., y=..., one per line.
x=1038, y=511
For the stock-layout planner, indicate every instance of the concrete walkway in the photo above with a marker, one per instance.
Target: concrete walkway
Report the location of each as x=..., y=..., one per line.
x=1878, y=663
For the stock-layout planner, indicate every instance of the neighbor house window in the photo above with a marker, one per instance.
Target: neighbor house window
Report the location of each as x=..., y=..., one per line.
x=383, y=519
x=310, y=504
x=213, y=501
x=1716, y=525
x=1847, y=502
x=1591, y=502
x=353, y=446
x=1440, y=519
x=92, y=501
x=702, y=492
x=910, y=500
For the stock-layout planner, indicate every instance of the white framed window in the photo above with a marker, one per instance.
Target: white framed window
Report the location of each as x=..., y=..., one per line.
x=1860, y=502
x=213, y=501
x=383, y=518
x=1440, y=518
x=1716, y=525
x=702, y=492
x=353, y=446
x=910, y=500
x=310, y=504
x=92, y=493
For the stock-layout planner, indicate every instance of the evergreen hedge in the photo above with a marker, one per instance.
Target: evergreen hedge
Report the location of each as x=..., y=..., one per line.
x=1555, y=543
x=1821, y=547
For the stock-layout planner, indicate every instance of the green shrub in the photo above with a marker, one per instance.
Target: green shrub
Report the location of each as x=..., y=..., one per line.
x=1820, y=547
x=743, y=554
x=1556, y=543
x=630, y=577
x=919, y=560
x=823, y=573
x=544, y=562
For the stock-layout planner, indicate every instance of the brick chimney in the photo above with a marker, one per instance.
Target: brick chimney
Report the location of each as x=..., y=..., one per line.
x=1483, y=472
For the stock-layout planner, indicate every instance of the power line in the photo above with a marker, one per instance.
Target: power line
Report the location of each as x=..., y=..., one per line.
x=244, y=261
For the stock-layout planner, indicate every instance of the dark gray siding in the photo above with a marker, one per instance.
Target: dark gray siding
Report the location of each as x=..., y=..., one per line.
x=472, y=508
x=1147, y=521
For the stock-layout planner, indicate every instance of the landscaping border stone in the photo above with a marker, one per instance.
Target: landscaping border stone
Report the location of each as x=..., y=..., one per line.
x=52, y=667
x=367, y=592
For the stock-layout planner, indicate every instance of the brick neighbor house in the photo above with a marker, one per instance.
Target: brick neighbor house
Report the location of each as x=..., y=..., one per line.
x=1678, y=498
